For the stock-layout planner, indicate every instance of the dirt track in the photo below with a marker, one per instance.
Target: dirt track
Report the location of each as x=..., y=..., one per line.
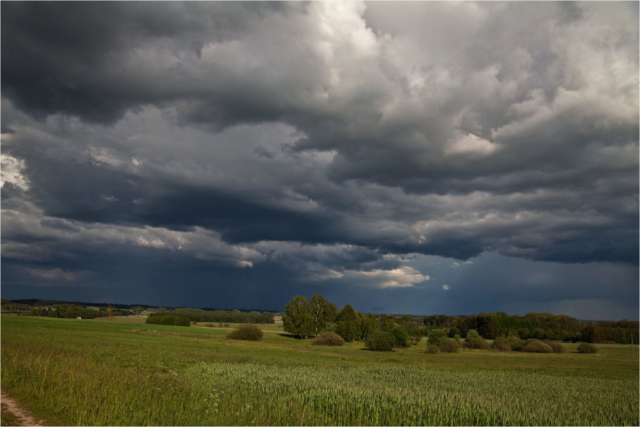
x=18, y=412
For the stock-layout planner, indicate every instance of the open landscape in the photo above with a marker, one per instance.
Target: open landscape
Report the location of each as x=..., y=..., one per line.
x=330, y=213
x=106, y=372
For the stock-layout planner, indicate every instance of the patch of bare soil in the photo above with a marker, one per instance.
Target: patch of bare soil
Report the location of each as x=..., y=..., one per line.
x=21, y=414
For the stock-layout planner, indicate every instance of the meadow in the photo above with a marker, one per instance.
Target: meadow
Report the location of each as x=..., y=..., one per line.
x=101, y=372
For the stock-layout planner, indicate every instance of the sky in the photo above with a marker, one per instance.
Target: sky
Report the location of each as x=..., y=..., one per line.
x=423, y=158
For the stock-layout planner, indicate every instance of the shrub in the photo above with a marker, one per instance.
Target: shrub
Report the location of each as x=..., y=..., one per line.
x=458, y=340
x=436, y=335
x=501, y=344
x=168, y=320
x=536, y=346
x=380, y=341
x=328, y=338
x=516, y=343
x=208, y=325
x=414, y=339
x=474, y=340
x=432, y=349
x=449, y=345
x=587, y=348
x=246, y=332
x=556, y=347
x=401, y=335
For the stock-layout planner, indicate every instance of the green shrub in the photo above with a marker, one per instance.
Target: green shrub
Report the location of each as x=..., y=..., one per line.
x=432, y=349
x=556, y=347
x=501, y=344
x=516, y=343
x=458, y=340
x=436, y=335
x=449, y=345
x=414, y=339
x=401, y=335
x=328, y=338
x=380, y=341
x=587, y=348
x=246, y=332
x=536, y=346
x=474, y=340
x=168, y=320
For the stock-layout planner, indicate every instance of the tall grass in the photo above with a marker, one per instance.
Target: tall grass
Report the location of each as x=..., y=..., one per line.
x=101, y=373
x=407, y=396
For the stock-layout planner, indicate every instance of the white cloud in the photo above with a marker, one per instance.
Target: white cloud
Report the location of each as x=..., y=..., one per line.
x=12, y=169
x=402, y=277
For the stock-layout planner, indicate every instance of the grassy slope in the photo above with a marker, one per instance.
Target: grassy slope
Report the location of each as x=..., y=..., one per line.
x=108, y=372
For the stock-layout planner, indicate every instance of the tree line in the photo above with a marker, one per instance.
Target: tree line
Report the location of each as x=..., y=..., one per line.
x=235, y=316
x=306, y=318
x=72, y=311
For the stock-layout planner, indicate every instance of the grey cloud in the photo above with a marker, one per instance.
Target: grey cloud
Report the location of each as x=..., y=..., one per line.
x=322, y=137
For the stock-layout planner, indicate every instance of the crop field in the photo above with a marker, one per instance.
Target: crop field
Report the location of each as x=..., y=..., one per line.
x=101, y=372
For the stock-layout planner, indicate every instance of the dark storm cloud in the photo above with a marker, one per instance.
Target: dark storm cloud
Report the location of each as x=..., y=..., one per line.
x=335, y=140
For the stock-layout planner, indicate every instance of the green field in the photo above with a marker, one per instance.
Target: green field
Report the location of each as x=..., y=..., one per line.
x=101, y=372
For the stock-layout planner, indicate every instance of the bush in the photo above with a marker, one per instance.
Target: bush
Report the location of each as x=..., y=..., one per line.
x=401, y=335
x=414, y=339
x=436, y=335
x=516, y=343
x=501, y=344
x=587, y=348
x=453, y=331
x=246, y=332
x=458, y=340
x=208, y=325
x=432, y=349
x=449, y=345
x=536, y=346
x=474, y=340
x=328, y=338
x=168, y=320
x=380, y=341
x=556, y=347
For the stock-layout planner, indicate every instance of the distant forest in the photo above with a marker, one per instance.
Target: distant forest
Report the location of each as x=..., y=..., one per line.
x=488, y=325
x=308, y=317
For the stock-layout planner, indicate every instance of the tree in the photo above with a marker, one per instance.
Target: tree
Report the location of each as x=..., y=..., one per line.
x=386, y=323
x=401, y=335
x=436, y=336
x=298, y=319
x=322, y=311
x=347, y=321
x=592, y=333
x=366, y=325
x=453, y=331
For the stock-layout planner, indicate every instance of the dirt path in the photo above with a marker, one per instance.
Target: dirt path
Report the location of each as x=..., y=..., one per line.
x=18, y=412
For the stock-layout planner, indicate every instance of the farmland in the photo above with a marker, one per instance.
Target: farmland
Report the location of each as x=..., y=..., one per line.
x=101, y=372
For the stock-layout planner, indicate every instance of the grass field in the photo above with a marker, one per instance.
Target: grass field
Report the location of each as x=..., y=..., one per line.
x=102, y=372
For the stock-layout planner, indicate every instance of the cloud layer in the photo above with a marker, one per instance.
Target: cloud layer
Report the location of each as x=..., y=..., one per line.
x=332, y=140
